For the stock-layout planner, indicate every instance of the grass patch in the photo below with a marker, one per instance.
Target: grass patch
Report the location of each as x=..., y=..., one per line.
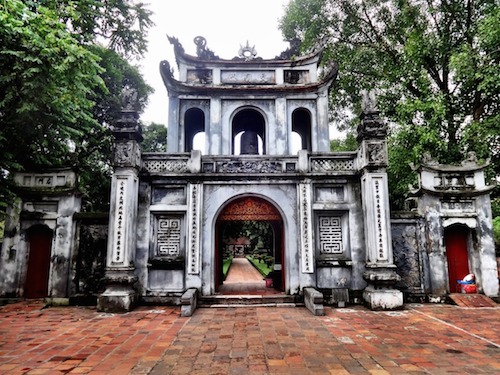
x=263, y=268
x=225, y=266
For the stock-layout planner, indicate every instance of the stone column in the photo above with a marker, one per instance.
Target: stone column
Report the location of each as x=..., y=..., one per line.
x=380, y=273
x=120, y=295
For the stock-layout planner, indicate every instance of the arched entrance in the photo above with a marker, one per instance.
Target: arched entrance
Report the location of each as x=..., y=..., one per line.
x=456, y=240
x=37, y=274
x=256, y=213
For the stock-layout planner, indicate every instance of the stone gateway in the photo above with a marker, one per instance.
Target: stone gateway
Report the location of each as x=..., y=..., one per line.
x=248, y=141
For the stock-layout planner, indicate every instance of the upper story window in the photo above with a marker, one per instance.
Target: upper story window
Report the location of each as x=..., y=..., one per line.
x=301, y=125
x=194, y=130
x=248, y=133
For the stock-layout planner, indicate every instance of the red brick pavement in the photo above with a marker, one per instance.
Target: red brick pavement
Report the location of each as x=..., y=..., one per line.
x=421, y=339
x=244, y=279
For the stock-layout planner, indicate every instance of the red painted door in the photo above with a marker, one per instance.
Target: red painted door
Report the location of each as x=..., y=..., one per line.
x=456, y=239
x=37, y=278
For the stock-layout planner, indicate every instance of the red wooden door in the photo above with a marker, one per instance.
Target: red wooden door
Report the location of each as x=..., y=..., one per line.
x=456, y=239
x=37, y=278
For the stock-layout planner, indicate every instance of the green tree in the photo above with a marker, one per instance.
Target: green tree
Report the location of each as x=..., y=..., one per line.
x=60, y=90
x=155, y=138
x=93, y=151
x=121, y=24
x=348, y=143
x=46, y=80
x=433, y=64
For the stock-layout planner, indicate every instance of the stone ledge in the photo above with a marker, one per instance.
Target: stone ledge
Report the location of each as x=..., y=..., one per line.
x=313, y=300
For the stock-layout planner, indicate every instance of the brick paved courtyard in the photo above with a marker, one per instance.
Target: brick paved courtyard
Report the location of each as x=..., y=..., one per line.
x=421, y=339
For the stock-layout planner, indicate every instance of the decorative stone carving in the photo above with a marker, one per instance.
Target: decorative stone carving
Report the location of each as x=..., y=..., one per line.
x=247, y=53
x=194, y=229
x=201, y=49
x=458, y=205
x=377, y=153
x=332, y=165
x=179, y=50
x=129, y=98
x=120, y=238
x=407, y=257
x=168, y=237
x=291, y=51
x=246, y=77
x=250, y=209
x=166, y=166
x=371, y=125
x=249, y=167
x=306, y=229
x=330, y=235
x=368, y=101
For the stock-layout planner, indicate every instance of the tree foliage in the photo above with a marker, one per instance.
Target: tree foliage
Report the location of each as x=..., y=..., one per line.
x=59, y=89
x=155, y=138
x=434, y=65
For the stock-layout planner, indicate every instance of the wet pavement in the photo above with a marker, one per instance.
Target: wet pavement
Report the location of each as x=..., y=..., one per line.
x=421, y=339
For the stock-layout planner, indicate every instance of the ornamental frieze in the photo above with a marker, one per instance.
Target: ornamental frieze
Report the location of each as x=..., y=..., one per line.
x=250, y=167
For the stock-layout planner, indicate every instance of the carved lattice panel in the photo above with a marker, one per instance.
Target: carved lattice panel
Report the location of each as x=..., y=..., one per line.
x=250, y=208
x=330, y=235
x=168, y=239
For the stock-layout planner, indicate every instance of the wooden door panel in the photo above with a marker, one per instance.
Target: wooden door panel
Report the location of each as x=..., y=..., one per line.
x=37, y=277
x=456, y=240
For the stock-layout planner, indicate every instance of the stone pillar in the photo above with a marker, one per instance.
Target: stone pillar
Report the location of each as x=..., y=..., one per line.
x=380, y=273
x=120, y=295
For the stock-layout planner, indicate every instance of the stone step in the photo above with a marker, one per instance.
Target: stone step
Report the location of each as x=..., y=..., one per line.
x=249, y=300
x=472, y=300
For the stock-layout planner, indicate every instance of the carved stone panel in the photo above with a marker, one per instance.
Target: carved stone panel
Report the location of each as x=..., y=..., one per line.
x=330, y=235
x=120, y=220
x=127, y=154
x=168, y=237
x=241, y=77
x=329, y=194
x=306, y=228
x=373, y=153
x=407, y=256
x=194, y=228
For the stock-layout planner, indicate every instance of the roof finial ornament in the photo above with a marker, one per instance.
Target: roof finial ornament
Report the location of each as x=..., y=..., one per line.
x=247, y=53
x=201, y=49
x=368, y=101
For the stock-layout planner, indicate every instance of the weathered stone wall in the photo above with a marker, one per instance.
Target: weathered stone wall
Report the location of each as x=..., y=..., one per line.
x=408, y=257
x=89, y=259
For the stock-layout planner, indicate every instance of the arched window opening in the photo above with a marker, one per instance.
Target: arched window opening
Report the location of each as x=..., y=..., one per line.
x=301, y=124
x=194, y=124
x=248, y=133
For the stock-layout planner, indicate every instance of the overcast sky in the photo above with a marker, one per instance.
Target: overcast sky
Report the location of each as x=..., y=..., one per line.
x=225, y=24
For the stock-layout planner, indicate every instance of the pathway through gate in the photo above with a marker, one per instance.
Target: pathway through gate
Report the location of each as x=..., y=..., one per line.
x=243, y=278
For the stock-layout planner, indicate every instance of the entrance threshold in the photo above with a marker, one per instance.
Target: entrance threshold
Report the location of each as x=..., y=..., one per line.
x=241, y=300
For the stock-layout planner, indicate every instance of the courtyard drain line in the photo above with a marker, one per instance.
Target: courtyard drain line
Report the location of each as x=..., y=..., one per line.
x=457, y=328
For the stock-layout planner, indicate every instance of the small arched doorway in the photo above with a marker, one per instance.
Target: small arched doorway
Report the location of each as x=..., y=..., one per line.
x=37, y=274
x=456, y=241
x=262, y=214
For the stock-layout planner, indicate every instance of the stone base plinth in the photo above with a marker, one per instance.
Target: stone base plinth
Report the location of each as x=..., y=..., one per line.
x=117, y=301
x=383, y=299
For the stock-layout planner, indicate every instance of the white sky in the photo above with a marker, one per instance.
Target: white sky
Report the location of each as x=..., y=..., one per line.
x=225, y=24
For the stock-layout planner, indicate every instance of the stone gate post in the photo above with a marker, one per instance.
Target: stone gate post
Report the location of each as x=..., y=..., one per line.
x=380, y=271
x=120, y=295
